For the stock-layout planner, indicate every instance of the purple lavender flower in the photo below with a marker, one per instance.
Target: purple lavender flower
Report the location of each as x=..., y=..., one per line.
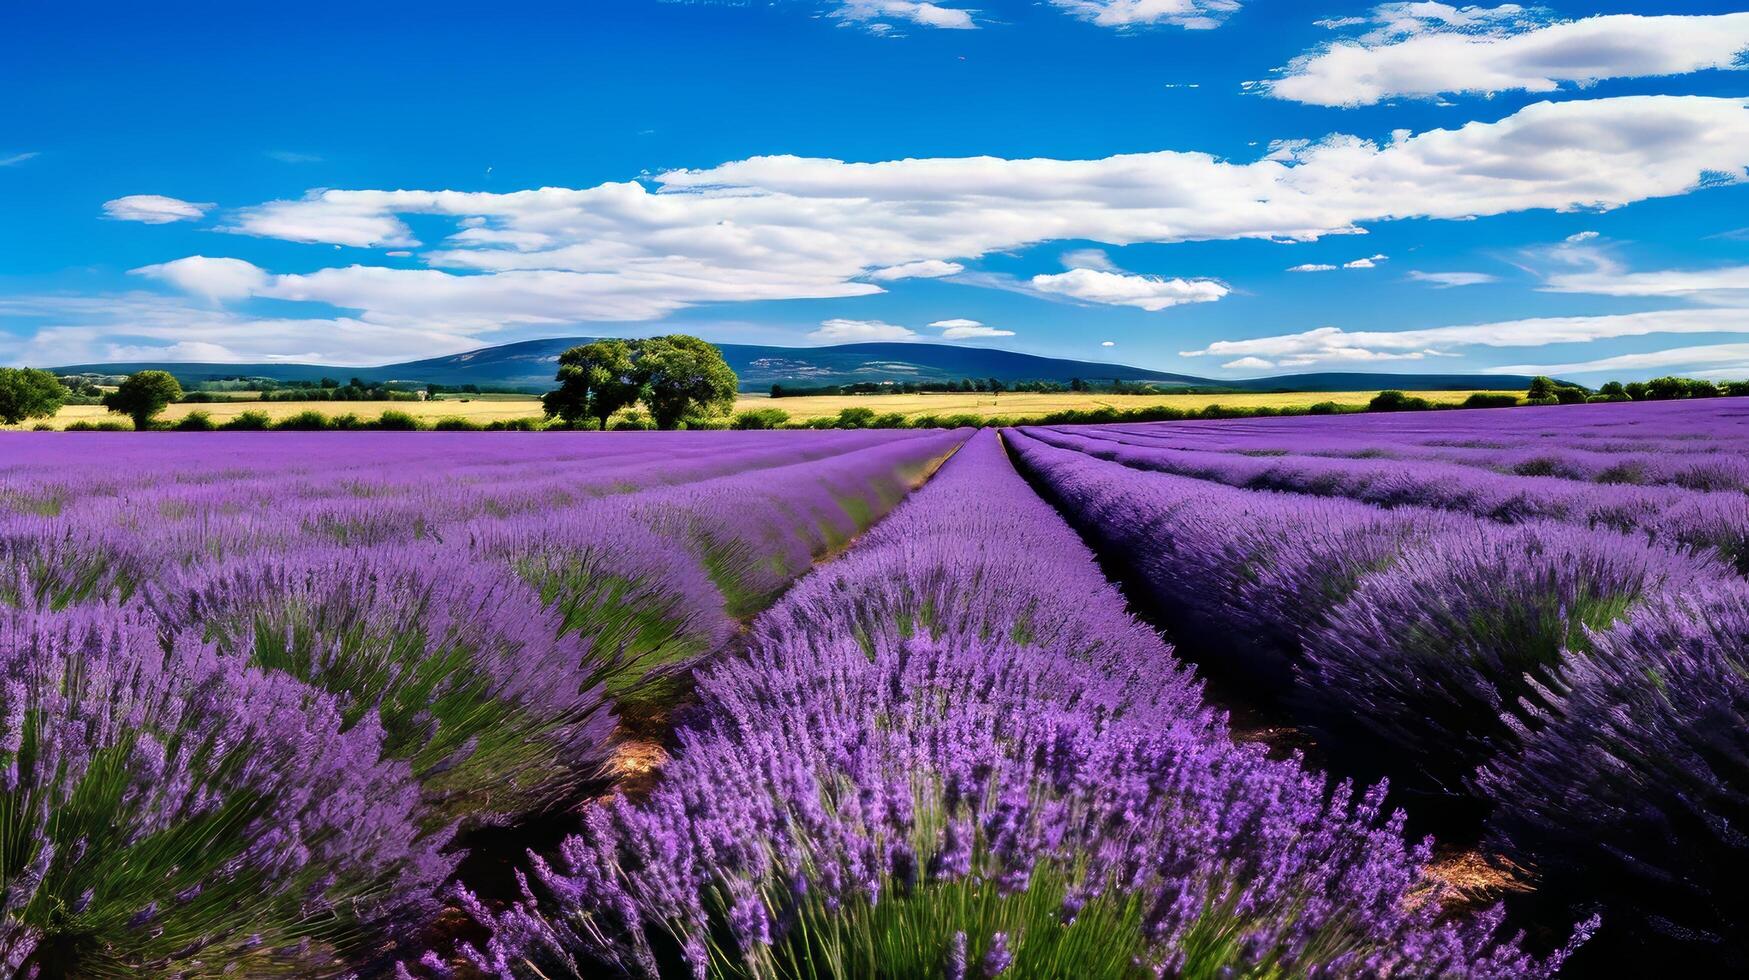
x=175, y=804
x=1077, y=769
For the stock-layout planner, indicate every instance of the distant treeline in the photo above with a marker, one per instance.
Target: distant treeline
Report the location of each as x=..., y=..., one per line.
x=26, y=394
x=1113, y=386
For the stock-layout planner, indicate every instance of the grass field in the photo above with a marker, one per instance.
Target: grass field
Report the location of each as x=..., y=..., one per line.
x=492, y=408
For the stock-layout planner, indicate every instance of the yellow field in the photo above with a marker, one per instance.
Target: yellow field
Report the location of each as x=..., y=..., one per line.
x=501, y=407
x=473, y=410
x=1027, y=403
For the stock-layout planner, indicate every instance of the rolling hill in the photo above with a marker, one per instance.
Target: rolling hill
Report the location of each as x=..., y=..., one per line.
x=530, y=364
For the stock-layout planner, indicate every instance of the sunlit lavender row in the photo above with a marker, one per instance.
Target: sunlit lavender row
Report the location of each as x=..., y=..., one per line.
x=262, y=696
x=1549, y=668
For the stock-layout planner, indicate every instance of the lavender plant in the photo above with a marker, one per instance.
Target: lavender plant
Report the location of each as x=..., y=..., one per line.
x=471, y=680
x=1632, y=789
x=1431, y=657
x=842, y=816
x=165, y=811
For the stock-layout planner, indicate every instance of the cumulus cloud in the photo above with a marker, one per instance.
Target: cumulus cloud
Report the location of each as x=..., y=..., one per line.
x=925, y=269
x=786, y=227
x=214, y=278
x=861, y=331
x=154, y=209
x=880, y=14
x=1365, y=262
x=1248, y=364
x=1426, y=50
x=1447, y=280
x=1151, y=293
x=1189, y=14
x=1326, y=345
x=329, y=218
x=1580, y=236
x=963, y=329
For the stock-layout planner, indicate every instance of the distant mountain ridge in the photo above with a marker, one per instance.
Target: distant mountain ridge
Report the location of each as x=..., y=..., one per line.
x=532, y=363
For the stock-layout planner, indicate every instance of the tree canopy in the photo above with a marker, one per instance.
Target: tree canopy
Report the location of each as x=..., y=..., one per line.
x=27, y=393
x=143, y=395
x=595, y=381
x=677, y=377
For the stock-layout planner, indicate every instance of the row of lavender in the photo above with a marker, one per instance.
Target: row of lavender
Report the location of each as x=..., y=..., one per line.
x=1579, y=684
x=1673, y=516
x=252, y=690
x=953, y=752
x=1697, y=445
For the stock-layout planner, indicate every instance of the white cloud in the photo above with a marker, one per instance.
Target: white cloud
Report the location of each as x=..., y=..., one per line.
x=1089, y=258
x=1190, y=14
x=1711, y=359
x=326, y=217
x=861, y=331
x=1248, y=364
x=1429, y=49
x=963, y=329
x=1580, y=236
x=1335, y=345
x=877, y=13
x=641, y=291
x=154, y=209
x=925, y=269
x=143, y=326
x=1447, y=280
x=785, y=227
x=1108, y=343
x=215, y=279
x=1367, y=262
x=18, y=158
x=1610, y=280
x=1150, y=293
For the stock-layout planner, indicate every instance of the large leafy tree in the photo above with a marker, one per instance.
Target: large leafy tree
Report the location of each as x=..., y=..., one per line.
x=143, y=395
x=27, y=393
x=684, y=377
x=595, y=381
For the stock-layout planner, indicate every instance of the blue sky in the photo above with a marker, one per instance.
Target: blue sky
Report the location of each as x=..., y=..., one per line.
x=1229, y=188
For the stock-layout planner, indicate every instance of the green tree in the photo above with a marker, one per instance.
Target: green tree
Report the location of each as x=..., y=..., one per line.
x=26, y=393
x=143, y=395
x=1613, y=389
x=855, y=418
x=595, y=381
x=1541, y=386
x=684, y=377
x=1396, y=401
x=761, y=418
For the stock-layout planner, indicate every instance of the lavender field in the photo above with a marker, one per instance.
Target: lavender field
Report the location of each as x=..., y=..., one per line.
x=1443, y=694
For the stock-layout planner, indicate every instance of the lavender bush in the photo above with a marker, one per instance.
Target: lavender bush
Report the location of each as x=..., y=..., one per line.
x=469, y=677
x=1431, y=657
x=167, y=813
x=1632, y=789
